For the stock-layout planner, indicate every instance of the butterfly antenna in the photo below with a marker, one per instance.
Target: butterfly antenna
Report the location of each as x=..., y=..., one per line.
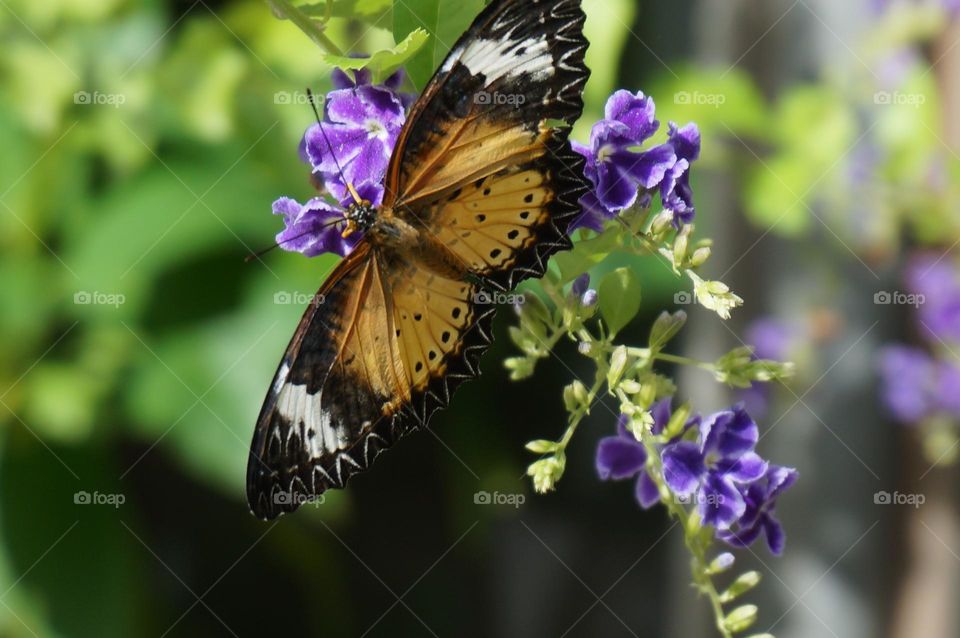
x=261, y=253
x=313, y=105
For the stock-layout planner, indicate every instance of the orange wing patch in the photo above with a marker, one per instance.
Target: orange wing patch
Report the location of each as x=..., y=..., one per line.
x=489, y=223
x=430, y=313
x=469, y=150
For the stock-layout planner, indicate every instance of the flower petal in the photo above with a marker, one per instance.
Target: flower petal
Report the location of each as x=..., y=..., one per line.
x=618, y=458
x=686, y=141
x=637, y=112
x=646, y=491
x=683, y=467
x=650, y=167
x=776, y=537
x=731, y=433
x=719, y=501
x=749, y=467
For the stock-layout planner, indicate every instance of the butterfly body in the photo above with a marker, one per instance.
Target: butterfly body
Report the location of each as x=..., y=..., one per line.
x=479, y=192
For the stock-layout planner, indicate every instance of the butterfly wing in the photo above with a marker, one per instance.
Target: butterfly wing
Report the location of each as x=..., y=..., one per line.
x=383, y=344
x=390, y=336
x=479, y=164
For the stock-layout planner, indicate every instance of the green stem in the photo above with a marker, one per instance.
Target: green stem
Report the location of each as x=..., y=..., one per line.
x=686, y=361
x=692, y=538
x=583, y=410
x=285, y=10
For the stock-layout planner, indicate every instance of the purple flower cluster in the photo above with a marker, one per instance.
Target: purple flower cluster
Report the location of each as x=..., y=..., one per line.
x=361, y=124
x=712, y=463
x=621, y=174
x=916, y=385
x=623, y=457
x=937, y=279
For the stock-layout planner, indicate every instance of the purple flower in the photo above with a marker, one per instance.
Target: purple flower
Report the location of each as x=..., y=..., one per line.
x=313, y=228
x=758, y=517
x=712, y=468
x=361, y=125
x=675, y=191
x=908, y=383
x=614, y=167
x=623, y=457
x=938, y=280
x=770, y=338
x=582, y=291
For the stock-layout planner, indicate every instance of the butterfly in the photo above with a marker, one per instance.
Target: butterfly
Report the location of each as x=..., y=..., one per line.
x=480, y=190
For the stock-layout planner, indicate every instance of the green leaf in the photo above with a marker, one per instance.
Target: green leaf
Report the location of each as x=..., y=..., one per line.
x=444, y=21
x=586, y=254
x=385, y=61
x=619, y=298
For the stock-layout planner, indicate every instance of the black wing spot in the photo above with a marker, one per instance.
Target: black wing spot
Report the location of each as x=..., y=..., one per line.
x=419, y=366
x=445, y=337
x=521, y=51
x=528, y=199
x=432, y=355
x=513, y=234
x=481, y=218
x=496, y=252
x=525, y=214
x=398, y=332
x=417, y=317
x=487, y=191
x=456, y=313
x=311, y=433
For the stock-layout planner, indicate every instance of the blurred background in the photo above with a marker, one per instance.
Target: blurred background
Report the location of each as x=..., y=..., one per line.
x=143, y=143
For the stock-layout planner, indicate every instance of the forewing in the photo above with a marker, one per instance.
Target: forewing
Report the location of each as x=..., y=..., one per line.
x=485, y=118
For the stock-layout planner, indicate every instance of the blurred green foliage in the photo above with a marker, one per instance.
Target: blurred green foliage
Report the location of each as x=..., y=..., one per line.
x=144, y=143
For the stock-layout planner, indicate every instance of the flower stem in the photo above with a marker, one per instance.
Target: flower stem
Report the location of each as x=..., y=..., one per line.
x=285, y=10
x=686, y=361
x=692, y=538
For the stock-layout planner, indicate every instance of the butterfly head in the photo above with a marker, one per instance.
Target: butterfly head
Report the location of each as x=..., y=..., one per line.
x=360, y=216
